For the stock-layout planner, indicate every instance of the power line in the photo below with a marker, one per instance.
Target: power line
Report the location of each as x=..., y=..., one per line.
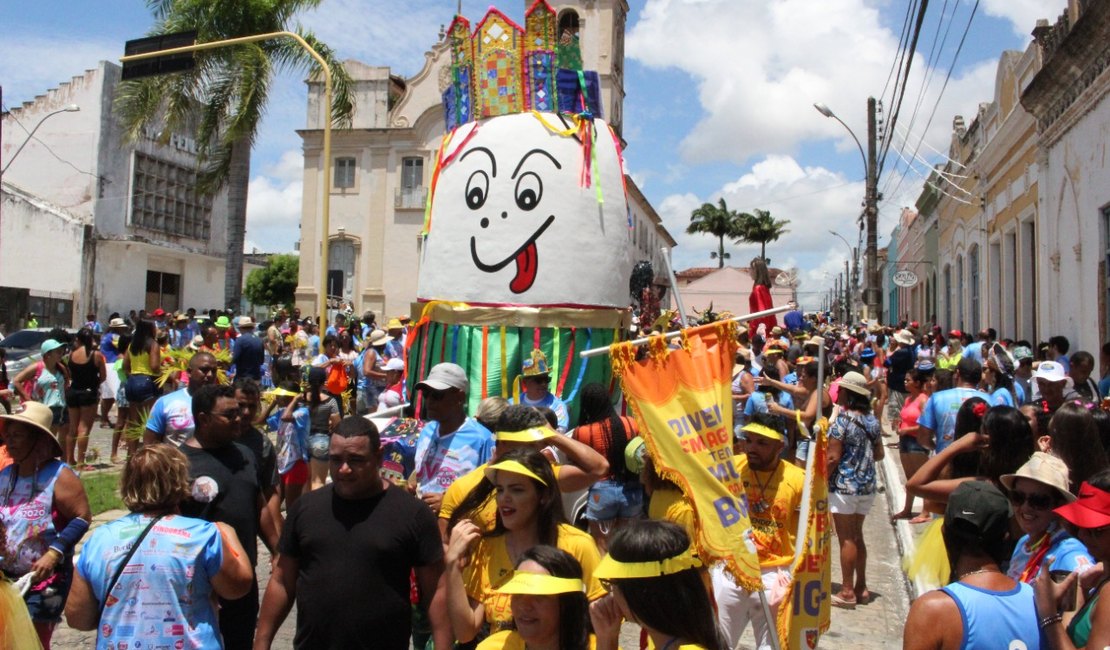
x=922, y=10
x=47, y=147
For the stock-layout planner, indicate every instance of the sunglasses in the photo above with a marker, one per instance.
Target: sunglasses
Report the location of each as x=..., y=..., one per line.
x=1035, y=501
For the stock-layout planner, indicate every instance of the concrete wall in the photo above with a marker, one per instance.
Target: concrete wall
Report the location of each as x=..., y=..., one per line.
x=40, y=245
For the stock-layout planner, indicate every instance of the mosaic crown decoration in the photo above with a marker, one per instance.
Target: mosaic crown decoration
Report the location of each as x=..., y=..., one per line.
x=502, y=69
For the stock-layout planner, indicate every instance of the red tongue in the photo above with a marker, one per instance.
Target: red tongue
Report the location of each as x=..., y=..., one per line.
x=526, y=265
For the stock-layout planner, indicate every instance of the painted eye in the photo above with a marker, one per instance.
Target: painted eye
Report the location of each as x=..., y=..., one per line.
x=477, y=188
x=529, y=191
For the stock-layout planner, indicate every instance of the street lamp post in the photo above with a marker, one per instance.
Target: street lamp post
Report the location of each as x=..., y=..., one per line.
x=871, y=202
x=853, y=279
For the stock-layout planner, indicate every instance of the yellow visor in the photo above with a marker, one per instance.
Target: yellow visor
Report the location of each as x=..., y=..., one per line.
x=610, y=569
x=533, y=434
x=762, y=430
x=514, y=467
x=281, y=392
x=538, y=584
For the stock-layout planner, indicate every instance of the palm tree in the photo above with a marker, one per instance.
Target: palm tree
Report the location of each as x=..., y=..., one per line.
x=716, y=220
x=760, y=228
x=223, y=99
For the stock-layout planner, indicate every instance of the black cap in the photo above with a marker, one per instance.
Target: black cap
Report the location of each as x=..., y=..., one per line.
x=978, y=510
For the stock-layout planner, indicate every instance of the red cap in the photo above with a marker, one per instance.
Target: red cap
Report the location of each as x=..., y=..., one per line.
x=955, y=334
x=914, y=324
x=1090, y=510
x=158, y=313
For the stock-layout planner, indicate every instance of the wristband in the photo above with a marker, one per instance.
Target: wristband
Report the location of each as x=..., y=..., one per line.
x=1050, y=620
x=70, y=535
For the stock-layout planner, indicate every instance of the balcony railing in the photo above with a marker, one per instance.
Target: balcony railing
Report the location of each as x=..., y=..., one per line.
x=410, y=198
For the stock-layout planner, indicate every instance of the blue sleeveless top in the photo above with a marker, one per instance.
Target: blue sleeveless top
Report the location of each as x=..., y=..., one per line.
x=997, y=620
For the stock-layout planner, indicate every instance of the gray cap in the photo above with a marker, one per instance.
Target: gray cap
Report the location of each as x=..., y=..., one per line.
x=444, y=376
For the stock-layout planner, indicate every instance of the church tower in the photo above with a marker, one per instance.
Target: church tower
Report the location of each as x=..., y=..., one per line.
x=599, y=27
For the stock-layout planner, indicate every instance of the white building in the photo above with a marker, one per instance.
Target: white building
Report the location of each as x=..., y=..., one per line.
x=1068, y=98
x=381, y=168
x=147, y=238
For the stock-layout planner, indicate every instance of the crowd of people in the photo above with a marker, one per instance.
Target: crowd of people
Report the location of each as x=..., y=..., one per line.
x=401, y=514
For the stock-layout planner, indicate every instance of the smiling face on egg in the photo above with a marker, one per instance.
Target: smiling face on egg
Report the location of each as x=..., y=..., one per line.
x=512, y=223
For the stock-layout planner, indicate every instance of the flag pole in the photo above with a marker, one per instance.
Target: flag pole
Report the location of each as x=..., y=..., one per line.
x=597, y=352
x=807, y=488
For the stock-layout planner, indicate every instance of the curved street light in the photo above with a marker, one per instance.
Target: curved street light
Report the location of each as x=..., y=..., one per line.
x=827, y=112
x=72, y=108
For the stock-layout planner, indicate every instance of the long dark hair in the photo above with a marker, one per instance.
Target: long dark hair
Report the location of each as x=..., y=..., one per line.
x=574, y=609
x=84, y=338
x=969, y=420
x=550, y=512
x=1075, y=441
x=316, y=379
x=596, y=407
x=145, y=333
x=1011, y=443
x=676, y=604
x=760, y=274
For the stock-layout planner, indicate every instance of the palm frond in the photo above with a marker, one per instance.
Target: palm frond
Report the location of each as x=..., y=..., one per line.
x=134, y=429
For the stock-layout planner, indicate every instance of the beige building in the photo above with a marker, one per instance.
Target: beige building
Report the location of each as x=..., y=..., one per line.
x=725, y=289
x=381, y=168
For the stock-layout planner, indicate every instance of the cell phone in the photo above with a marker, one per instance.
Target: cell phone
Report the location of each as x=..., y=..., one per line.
x=1070, y=599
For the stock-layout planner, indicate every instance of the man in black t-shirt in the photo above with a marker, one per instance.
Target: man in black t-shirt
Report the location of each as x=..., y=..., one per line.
x=248, y=395
x=346, y=553
x=226, y=486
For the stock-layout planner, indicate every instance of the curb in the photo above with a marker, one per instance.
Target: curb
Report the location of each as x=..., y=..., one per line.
x=903, y=533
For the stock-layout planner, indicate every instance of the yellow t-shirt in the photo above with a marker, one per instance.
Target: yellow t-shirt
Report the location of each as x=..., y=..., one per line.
x=671, y=505
x=140, y=363
x=510, y=640
x=490, y=567
x=457, y=491
x=774, y=501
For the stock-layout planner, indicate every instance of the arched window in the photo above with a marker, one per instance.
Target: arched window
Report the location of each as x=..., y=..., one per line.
x=568, y=23
x=948, y=296
x=973, y=288
x=959, y=291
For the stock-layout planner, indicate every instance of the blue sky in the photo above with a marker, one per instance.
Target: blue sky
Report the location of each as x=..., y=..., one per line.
x=719, y=99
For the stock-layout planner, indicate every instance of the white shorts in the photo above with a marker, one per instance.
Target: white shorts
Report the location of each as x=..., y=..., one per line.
x=850, y=504
x=109, y=386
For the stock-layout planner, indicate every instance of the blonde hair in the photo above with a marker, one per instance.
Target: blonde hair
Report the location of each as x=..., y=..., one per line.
x=489, y=410
x=155, y=478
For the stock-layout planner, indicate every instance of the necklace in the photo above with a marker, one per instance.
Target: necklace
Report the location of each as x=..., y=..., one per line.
x=983, y=570
x=761, y=505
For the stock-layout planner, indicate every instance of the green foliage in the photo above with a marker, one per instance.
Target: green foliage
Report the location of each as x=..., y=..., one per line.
x=760, y=228
x=716, y=220
x=102, y=489
x=275, y=283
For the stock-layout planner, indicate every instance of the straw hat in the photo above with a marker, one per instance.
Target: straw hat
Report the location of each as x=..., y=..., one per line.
x=379, y=337
x=904, y=337
x=856, y=383
x=40, y=417
x=1045, y=469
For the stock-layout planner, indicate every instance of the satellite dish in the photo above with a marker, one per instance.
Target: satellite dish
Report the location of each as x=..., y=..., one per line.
x=788, y=278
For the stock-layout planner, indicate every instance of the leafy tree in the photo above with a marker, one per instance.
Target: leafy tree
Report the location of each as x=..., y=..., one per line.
x=716, y=220
x=275, y=283
x=223, y=99
x=760, y=228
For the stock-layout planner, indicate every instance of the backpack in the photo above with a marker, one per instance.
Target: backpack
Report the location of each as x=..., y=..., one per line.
x=30, y=384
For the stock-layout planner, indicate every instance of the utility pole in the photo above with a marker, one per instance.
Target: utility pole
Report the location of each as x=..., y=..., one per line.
x=871, y=211
x=850, y=316
x=836, y=297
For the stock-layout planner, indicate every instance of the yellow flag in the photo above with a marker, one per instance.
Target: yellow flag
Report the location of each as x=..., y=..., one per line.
x=682, y=400
x=804, y=613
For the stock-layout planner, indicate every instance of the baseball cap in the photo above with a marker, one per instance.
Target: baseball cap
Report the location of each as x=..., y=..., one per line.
x=158, y=313
x=1091, y=509
x=1050, y=371
x=49, y=345
x=394, y=364
x=1021, y=353
x=955, y=334
x=978, y=510
x=444, y=376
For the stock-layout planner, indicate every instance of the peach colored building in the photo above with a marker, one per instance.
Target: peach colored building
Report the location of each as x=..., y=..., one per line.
x=727, y=289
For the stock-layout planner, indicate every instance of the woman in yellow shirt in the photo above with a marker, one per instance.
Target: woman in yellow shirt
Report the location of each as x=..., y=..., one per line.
x=653, y=580
x=548, y=602
x=529, y=513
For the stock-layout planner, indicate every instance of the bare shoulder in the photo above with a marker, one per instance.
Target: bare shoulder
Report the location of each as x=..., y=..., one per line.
x=933, y=623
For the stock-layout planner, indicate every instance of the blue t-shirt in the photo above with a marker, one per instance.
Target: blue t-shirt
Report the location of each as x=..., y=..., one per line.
x=171, y=417
x=857, y=433
x=108, y=347
x=974, y=351
x=939, y=413
x=1002, y=397
x=442, y=459
x=162, y=597
x=1104, y=387
x=1068, y=552
x=562, y=416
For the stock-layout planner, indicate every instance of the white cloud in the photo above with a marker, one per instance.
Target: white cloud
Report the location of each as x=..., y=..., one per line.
x=761, y=66
x=41, y=64
x=815, y=200
x=274, y=205
x=1023, y=14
